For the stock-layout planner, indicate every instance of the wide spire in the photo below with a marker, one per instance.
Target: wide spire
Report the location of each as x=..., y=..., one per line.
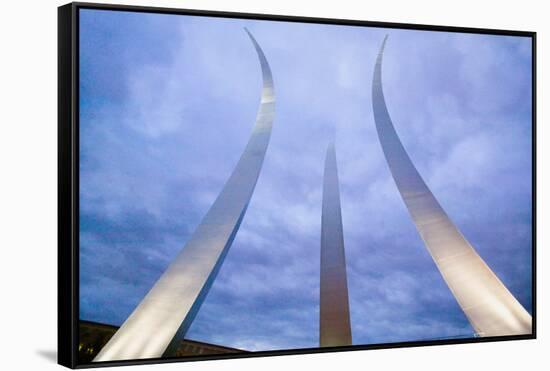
x=491, y=309
x=163, y=317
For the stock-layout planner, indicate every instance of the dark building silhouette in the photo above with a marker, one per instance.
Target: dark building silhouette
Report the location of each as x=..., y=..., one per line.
x=93, y=336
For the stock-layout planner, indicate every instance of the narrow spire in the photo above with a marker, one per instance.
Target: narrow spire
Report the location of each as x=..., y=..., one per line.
x=334, y=318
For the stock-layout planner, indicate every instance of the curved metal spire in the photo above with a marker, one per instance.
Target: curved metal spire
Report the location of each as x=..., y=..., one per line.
x=167, y=311
x=491, y=309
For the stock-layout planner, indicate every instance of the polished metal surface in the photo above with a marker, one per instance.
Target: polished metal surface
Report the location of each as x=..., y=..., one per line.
x=491, y=309
x=167, y=311
x=334, y=318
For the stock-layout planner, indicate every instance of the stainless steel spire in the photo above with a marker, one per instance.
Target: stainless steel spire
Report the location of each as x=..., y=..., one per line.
x=491, y=309
x=334, y=318
x=167, y=311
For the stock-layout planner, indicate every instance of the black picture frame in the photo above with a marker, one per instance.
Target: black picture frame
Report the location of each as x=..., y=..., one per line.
x=68, y=179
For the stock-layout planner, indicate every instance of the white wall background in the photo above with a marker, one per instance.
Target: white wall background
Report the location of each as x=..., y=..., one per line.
x=28, y=181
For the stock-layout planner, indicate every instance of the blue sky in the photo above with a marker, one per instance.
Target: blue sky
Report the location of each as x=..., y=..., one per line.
x=167, y=104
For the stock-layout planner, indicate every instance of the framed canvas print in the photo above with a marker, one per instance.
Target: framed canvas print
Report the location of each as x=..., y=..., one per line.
x=241, y=185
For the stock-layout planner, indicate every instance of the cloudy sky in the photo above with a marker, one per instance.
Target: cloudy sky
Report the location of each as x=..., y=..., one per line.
x=166, y=107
